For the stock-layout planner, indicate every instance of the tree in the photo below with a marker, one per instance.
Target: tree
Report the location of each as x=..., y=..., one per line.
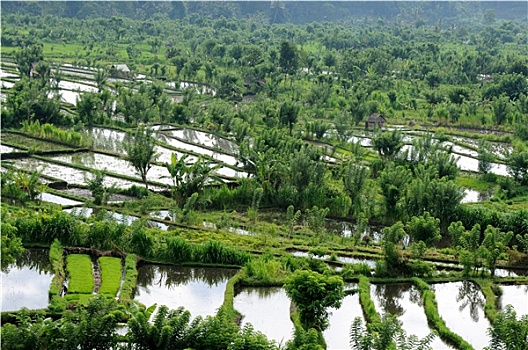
x=87, y=107
x=392, y=236
x=517, y=162
x=388, y=144
x=424, y=228
x=288, y=114
x=508, y=332
x=494, y=244
x=27, y=58
x=140, y=146
x=288, y=60
x=485, y=156
x=501, y=109
x=312, y=293
x=11, y=245
x=29, y=101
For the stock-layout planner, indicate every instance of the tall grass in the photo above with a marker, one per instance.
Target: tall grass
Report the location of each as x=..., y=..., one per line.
x=79, y=267
x=51, y=132
x=111, y=273
x=265, y=270
x=434, y=319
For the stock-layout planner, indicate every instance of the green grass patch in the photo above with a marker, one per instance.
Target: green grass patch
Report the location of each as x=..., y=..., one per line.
x=57, y=266
x=474, y=182
x=130, y=278
x=111, y=273
x=434, y=319
x=79, y=267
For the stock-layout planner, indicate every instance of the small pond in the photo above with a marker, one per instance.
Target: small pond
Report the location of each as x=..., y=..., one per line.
x=337, y=334
x=461, y=305
x=26, y=282
x=123, y=219
x=106, y=139
x=404, y=301
x=267, y=309
x=516, y=296
x=199, y=289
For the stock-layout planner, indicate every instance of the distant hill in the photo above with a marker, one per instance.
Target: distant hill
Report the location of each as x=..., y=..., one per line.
x=414, y=12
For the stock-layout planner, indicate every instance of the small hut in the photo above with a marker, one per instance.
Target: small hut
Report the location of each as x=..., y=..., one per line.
x=374, y=121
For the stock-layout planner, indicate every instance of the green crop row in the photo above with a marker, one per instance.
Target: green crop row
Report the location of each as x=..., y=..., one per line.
x=79, y=267
x=130, y=277
x=111, y=273
x=369, y=309
x=434, y=319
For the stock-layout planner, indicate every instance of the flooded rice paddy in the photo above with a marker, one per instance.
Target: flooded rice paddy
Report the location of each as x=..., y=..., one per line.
x=199, y=289
x=337, y=334
x=404, y=301
x=516, y=296
x=461, y=305
x=26, y=282
x=267, y=309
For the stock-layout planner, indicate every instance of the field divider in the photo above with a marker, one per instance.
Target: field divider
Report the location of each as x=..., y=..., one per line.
x=433, y=317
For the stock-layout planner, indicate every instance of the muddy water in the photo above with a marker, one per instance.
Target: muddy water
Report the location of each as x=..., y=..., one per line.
x=72, y=175
x=200, y=150
x=116, y=165
x=6, y=149
x=52, y=198
x=516, y=296
x=205, y=139
x=268, y=310
x=199, y=290
x=461, y=305
x=106, y=139
x=337, y=334
x=404, y=301
x=348, y=229
x=27, y=281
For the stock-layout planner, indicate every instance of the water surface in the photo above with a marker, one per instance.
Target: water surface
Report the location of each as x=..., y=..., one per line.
x=267, y=309
x=26, y=282
x=198, y=289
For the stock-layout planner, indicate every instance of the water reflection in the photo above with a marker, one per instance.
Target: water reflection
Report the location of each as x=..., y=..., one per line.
x=199, y=290
x=469, y=295
x=337, y=334
x=463, y=319
x=516, y=296
x=267, y=309
x=26, y=282
x=404, y=301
